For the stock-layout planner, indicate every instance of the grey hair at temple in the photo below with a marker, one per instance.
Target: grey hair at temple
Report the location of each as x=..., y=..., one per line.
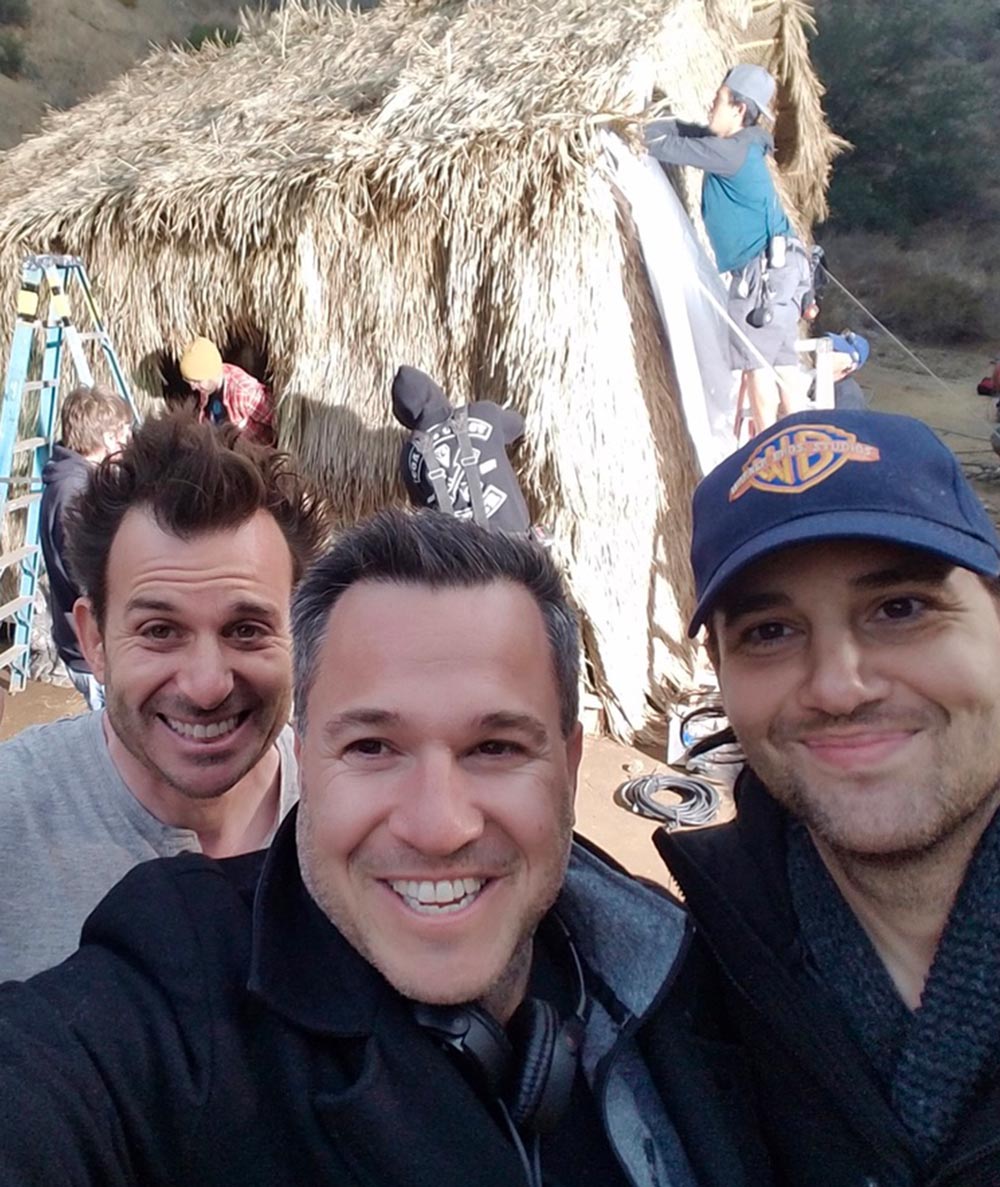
x=431, y=549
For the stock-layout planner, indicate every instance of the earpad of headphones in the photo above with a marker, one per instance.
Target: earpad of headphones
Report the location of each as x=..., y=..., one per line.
x=547, y=1066
x=477, y=1039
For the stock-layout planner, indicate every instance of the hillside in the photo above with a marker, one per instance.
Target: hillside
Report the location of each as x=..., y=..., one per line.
x=73, y=47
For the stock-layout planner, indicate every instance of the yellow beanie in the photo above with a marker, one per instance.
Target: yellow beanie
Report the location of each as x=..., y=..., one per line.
x=201, y=360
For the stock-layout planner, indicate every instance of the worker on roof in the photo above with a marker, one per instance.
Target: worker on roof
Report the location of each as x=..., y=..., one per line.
x=750, y=233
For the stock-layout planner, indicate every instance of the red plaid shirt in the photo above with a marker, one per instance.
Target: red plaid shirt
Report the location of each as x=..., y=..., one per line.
x=247, y=402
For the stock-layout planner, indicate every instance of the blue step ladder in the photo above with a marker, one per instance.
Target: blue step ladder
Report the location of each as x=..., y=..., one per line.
x=44, y=327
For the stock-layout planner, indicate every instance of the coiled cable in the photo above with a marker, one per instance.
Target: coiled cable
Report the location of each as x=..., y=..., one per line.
x=698, y=805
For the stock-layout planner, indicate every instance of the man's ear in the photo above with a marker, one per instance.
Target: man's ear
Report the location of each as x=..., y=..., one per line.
x=89, y=636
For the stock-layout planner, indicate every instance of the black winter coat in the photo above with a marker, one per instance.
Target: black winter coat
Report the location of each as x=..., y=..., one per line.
x=826, y=1121
x=213, y=1032
x=65, y=475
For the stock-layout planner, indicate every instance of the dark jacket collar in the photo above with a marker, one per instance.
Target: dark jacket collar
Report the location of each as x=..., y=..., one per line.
x=300, y=964
x=744, y=862
x=736, y=886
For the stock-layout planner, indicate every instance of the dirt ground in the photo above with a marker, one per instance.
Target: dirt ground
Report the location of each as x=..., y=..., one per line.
x=949, y=404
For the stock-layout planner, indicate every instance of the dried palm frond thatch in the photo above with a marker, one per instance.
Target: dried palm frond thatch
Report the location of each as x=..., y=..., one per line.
x=424, y=183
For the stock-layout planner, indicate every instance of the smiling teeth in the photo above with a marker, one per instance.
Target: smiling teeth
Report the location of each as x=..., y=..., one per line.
x=434, y=897
x=201, y=733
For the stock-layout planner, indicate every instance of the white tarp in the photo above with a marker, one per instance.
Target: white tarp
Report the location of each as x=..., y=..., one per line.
x=691, y=299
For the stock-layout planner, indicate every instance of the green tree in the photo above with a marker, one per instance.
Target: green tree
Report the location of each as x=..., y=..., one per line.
x=912, y=84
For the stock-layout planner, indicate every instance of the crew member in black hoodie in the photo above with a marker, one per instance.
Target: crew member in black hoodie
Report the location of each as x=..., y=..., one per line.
x=420, y=405
x=95, y=423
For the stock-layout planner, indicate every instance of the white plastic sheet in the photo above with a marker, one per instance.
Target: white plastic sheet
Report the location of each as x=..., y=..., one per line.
x=691, y=300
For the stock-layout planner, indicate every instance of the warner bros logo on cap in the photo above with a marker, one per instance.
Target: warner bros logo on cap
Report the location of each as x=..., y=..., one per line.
x=834, y=474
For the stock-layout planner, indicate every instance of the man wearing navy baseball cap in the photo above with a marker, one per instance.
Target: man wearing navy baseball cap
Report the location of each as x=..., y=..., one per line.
x=846, y=575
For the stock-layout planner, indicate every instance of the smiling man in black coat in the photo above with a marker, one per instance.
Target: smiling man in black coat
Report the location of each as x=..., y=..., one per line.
x=425, y=982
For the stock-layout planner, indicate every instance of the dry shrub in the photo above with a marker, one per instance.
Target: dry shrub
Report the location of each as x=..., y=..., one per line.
x=11, y=54
x=938, y=288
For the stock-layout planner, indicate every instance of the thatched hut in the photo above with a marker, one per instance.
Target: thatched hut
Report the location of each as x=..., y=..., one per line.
x=343, y=191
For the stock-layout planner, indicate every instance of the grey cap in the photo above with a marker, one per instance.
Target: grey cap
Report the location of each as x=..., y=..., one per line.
x=752, y=82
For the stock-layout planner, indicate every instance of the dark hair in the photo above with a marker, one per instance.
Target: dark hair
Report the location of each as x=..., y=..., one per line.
x=752, y=113
x=89, y=414
x=440, y=551
x=193, y=478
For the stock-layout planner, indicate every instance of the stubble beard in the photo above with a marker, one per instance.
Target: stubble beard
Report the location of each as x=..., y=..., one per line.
x=504, y=993
x=955, y=805
x=130, y=727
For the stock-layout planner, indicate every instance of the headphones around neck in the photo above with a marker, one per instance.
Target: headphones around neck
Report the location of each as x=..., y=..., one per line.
x=530, y=1066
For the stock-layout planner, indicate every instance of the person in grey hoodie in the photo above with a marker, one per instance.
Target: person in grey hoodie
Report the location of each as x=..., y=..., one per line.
x=485, y=487
x=95, y=423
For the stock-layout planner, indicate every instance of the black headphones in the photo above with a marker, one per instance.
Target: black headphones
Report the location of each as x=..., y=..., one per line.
x=531, y=1065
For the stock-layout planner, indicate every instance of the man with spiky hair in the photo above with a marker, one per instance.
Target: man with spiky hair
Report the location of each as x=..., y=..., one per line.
x=186, y=545
x=425, y=982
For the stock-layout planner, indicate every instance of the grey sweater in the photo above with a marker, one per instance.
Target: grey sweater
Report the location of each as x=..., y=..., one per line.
x=69, y=830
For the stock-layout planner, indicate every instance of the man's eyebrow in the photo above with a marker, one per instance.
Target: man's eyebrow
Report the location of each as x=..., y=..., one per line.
x=523, y=722
x=246, y=608
x=144, y=602
x=742, y=604
x=253, y=609
x=924, y=571
x=351, y=718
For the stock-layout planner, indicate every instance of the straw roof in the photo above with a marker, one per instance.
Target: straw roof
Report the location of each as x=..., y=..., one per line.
x=425, y=183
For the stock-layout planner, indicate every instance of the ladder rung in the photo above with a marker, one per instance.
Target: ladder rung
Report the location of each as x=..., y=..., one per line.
x=9, y=609
x=21, y=502
x=17, y=555
x=28, y=444
x=12, y=654
x=36, y=385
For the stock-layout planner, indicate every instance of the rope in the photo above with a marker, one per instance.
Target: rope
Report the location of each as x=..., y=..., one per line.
x=885, y=330
x=950, y=390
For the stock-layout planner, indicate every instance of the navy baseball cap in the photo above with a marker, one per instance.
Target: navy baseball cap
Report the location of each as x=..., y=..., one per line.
x=833, y=473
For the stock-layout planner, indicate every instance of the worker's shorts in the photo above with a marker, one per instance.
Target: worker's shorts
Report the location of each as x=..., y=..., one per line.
x=775, y=341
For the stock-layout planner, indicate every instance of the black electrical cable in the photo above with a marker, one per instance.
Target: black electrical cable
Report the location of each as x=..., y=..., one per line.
x=699, y=800
x=720, y=743
x=531, y=1163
